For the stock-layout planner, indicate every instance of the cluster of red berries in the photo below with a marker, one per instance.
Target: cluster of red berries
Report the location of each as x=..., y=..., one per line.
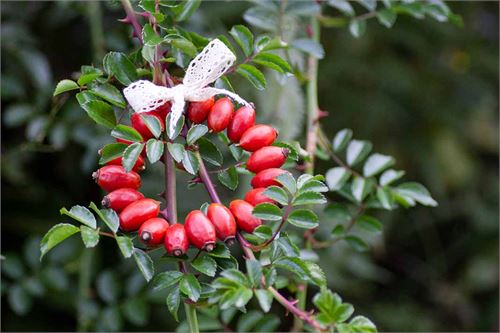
x=137, y=213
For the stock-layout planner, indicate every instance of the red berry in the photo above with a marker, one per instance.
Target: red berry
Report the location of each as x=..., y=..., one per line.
x=135, y=214
x=152, y=231
x=220, y=115
x=176, y=240
x=267, y=157
x=163, y=110
x=138, y=166
x=242, y=212
x=243, y=119
x=198, y=111
x=112, y=177
x=140, y=125
x=258, y=136
x=266, y=178
x=223, y=221
x=124, y=141
x=256, y=196
x=200, y=231
x=121, y=198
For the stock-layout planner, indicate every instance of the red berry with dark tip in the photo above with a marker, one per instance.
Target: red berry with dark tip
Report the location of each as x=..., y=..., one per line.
x=220, y=114
x=138, y=166
x=242, y=212
x=152, y=231
x=258, y=136
x=243, y=119
x=140, y=126
x=266, y=178
x=197, y=112
x=223, y=221
x=135, y=214
x=176, y=241
x=112, y=177
x=200, y=231
x=256, y=196
x=266, y=158
x=121, y=198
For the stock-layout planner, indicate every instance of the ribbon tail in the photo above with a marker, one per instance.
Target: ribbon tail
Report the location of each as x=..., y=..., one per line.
x=205, y=93
x=176, y=113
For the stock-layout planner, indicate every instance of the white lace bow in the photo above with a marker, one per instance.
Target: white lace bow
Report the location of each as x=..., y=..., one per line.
x=215, y=59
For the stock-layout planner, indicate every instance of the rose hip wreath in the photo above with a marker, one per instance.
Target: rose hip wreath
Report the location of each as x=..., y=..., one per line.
x=137, y=213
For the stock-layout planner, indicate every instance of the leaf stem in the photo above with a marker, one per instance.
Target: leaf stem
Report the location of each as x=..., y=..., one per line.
x=191, y=318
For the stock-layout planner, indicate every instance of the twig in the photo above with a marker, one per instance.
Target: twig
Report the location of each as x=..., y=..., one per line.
x=132, y=19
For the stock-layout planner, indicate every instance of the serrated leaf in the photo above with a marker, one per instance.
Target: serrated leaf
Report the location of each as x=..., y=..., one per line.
x=154, y=150
x=303, y=218
x=178, y=127
x=252, y=74
x=81, y=214
x=417, y=192
x=88, y=78
x=384, y=196
x=107, y=92
x=377, y=163
x=386, y=17
x=166, y=279
x=126, y=133
x=265, y=299
x=111, y=151
x=254, y=271
x=343, y=5
x=236, y=276
x=205, y=265
x=185, y=46
x=357, y=150
x=337, y=177
x=196, y=132
x=267, y=211
x=209, y=152
x=236, y=152
x=149, y=36
x=243, y=37
x=294, y=265
x=309, y=198
x=309, y=46
x=287, y=180
x=120, y=66
x=153, y=124
x=187, y=9
x=145, y=264
x=190, y=162
x=220, y=251
x=65, y=85
x=261, y=17
x=357, y=243
x=369, y=223
x=56, y=235
x=131, y=154
x=176, y=150
x=357, y=28
x=100, y=112
x=263, y=232
x=277, y=194
x=341, y=139
x=229, y=178
x=125, y=245
x=316, y=274
x=359, y=188
x=190, y=287
x=272, y=61
x=313, y=185
x=108, y=216
x=390, y=176
x=173, y=300
x=90, y=236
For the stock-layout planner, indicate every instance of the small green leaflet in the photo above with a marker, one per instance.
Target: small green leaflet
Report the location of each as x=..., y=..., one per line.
x=65, y=85
x=243, y=37
x=112, y=151
x=56, y=235
x=252, y=74
x=126, y=133
x=196, y=132
x=131, y=154
x=90, y=236
x=229, y=178
x=81, y=214
x=154, y=150
x=144, y=263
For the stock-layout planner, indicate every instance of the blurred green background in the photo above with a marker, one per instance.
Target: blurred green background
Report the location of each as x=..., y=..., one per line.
x=424, y=92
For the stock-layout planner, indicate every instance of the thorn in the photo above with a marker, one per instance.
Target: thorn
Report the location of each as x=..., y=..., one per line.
x=125, y=20
x=322, y=114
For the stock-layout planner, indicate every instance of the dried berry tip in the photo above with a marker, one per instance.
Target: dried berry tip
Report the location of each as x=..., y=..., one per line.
x=145, y=236
x=177, y=253
x=229, y=241
x=209, y=247
x=105, y=202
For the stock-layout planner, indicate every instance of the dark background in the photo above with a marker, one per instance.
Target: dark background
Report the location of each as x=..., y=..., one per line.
x=424, y=92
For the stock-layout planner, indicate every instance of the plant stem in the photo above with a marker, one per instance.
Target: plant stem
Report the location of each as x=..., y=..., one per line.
x=132, y=19
x=191, y=318
x=205, y=178
x=84, y=281
x=94, y=13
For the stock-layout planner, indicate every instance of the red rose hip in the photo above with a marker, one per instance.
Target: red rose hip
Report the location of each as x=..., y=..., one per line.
x=198, y=111
x=112, y=177
x=266, y=178
x=152, y=231
x=223, y=221
x=163, y=110
x=200, y=231
x=121, y=198
x=220, y=115
x=176, y=241
x=140, y=126
x=135, y=214
x=258, y=136
x=266, y=158
x=243, y=119
x=256, y=196
x=138, y=166
x=242, y=212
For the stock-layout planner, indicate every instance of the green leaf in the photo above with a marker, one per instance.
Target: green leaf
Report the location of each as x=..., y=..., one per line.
x=360, y=188
x=268, y=323
x=56, y=235
x=358, y=324
x=126, y=246
x=187, y=9
x=176, y=150
x=107, y=286
x=386, y=17
x=81, y=214
x=261, y=17
x=369, y=223
x=149, y=36
x=313, y=185
x=264, y=43
x=108, y=216
x=110, y=320
x=90, y=236
x=166, y=279
x=65, y=85
x=185, y=46
x=178, y=127
x=303, y=218
x=309, y=46
x=190, y=162
x=111, y=151
x=247, y=321
x=337, y=177
x=252, y=74
x=100, y=112
x=109, y=93
x=145, y=264
x=341, y=140
x=209, y=152
x=286, y=179
x=343, y=5
x=220, y=251
x=243, y=37
x=384, y=196
x=390, y=176
x=265, y=299
x=19, y=300
x=136, y=310
x=254, y=271
x=205, y=265
x=357, y=28
x=377, y=163
x=370, y=5
x=294, y=265
x=190, y=287
x=267, y=211
x=153, y=124
x=309, y=198
x=131, y=154
x=120, y=66
x=302, y=8
x=173, y=301
x=277, y=194
x=316, y=274
x=229, y=178
x=263, y=232
x=196, y=132
x=154, y=150
x=338, y=231
x=417, y=192
x=126, y=133
x=357, y=243
x=236, y=276
x=357, y=151
x=272, y=61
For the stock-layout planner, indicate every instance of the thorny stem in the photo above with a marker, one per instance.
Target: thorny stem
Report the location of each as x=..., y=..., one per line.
x=287, y=212
x=132, y=19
